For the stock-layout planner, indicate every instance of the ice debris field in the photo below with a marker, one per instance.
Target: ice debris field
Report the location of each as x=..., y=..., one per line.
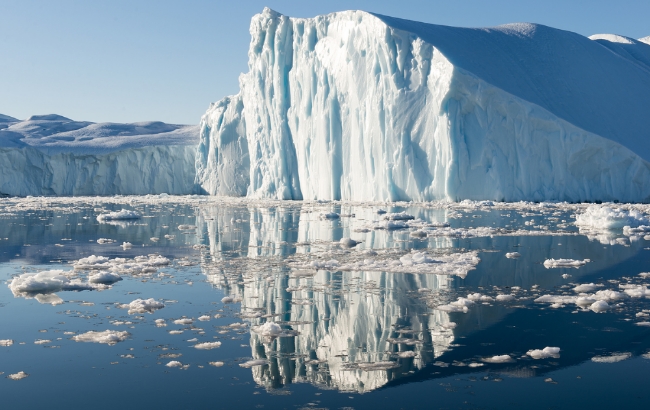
x=359, y=106
x=275, y=295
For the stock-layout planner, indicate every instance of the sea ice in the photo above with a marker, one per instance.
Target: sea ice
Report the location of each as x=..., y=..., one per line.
x=565, y=263
x=144, y=306
x=207, y=345
x=544, y=353
x=109, y=337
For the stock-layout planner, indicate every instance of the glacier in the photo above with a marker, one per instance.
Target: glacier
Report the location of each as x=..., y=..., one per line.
x=359, y=106
x=54, y=155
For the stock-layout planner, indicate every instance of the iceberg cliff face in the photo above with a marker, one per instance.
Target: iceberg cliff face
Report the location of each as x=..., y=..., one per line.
x=359, y=106
x=53, y=155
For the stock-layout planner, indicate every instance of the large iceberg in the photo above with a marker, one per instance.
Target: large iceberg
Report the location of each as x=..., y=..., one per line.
x=360, y=106
x=54, y=155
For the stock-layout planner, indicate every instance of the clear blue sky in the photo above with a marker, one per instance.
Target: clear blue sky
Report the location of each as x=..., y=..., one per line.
x=136, y=60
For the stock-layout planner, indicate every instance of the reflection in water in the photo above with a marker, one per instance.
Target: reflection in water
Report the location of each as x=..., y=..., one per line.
x=349, y=320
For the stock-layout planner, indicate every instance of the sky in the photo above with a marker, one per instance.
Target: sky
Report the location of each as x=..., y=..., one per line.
x=144, y=60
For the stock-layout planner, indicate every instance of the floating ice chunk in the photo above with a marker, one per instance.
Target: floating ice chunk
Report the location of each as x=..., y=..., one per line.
x=174, y=363
x=565, y=263
x=377, y=366
x=31, y=284
x=127, y=245
x=406, y=354
x=102, y=241
x=477, y=297
x=609, y=295
x=418, y=233
x=613, y=358
x=18, y=376
x=124, y=214
x=638, y=291
x=160, y=323
x=644, y=274
x=207, y=345
x=513, y=255
x=6, y=342
x=183, y=321
x=603, y=217
x=107, y=278
x=42, y=341
x=109, y=337
x=252, y=363
x=499, y=359
x=460, y=305
x=230, y=299
x=556, y=299
x=390, y=225
x=505, y=298
x=586, y=287
x=642, y=323
x=216, y=364
x=599, y=306
x=630, y=231
x=544, y=353
x=144, y=306
x=399, y=216
x=329, y=215
x=348, y=242
x=204, y=318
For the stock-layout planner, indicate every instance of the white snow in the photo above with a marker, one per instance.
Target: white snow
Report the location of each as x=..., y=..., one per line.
x=269, y=329
x=513, y=255
x=54, y=155
x=604, y=217
x=360, y=106
x=6, y=342
x=110, y=337
x=544, y=353
x=499, y=359
x=106, y=278
x=174, y=363
x=585, y=287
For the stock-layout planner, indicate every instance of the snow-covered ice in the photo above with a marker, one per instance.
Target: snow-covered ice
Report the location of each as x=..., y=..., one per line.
x=54, y=155
x=360, y=106
x=544, y=353
x=109, y=337
x=144, y=306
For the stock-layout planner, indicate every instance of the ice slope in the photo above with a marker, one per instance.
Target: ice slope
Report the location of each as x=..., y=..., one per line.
x=53, y=155
x=360, y=106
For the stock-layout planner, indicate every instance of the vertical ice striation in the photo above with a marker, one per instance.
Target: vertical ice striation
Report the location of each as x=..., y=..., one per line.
x=359, y=106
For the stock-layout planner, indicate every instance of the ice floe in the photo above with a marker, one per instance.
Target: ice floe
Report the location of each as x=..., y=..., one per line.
x=544, y=353
x=143, y=306
x=109, y=337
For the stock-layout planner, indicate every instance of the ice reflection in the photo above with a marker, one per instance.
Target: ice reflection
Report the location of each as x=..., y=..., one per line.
x=359, y=330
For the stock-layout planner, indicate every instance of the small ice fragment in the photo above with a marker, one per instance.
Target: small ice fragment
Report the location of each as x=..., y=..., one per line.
x=565, y=263
x=613, y=358
x=6, y=342
x=504, y=358
x=160, y=323
x=207, y=345
x=505, y=298
x=216, y=364
x=513, y=255
x=106, y=278
x=544, y=353
x=17, y=376
x=599, y=306
x=144, y=306
x=183, y=321
x=174, y=363
x=376, y=366
x=204, y=318
x=329, y=215
x=127, y=245
x=406, y=354
x=268, y=329
x=587, y=287
x=109, y=337
x=186, y=227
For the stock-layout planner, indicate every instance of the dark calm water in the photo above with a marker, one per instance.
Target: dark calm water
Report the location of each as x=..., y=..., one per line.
x=359, y=327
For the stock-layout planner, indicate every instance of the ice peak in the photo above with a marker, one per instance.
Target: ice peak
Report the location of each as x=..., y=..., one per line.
x=645, y=40
x=614, y=38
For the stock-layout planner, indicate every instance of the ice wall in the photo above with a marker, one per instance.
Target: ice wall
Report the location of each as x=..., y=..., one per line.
x=359, y=106
x=53, y=155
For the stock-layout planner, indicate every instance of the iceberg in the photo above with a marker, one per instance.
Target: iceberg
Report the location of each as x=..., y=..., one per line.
x=359, y=106
x=54, y=155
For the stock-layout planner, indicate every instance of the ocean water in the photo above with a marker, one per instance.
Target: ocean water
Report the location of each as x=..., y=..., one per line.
x=259, y=304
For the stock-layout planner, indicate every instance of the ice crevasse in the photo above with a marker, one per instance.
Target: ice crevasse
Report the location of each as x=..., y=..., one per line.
x=360, y=106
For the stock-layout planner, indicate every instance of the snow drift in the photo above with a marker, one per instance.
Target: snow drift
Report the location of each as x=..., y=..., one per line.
x=359, y=106
x=53, y=155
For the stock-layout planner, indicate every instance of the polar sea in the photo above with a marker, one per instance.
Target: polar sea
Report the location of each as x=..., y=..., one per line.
x=203, y=302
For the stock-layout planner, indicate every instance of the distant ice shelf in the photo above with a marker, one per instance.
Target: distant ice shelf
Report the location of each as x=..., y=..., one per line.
x=54, y=155
x=360, y=106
